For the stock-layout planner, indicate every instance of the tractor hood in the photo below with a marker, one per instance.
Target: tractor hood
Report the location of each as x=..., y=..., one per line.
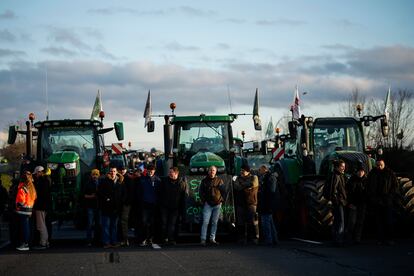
x=205, y=160
x=63, y=157
x=351, y=158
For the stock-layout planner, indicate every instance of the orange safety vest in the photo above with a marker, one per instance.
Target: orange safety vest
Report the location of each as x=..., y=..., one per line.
x=24, y=202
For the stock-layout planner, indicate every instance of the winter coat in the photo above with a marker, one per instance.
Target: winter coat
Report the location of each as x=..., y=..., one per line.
x=91, y=187
x=334, y=189
x=245, y=190
x=24, y=202
x=212, y=190
x=148, y=187
x=356, y=190
x=43, y=201
x=172, y=193
x=128, y=190
x=382, y=186
x=109, y=195
x=268, y=194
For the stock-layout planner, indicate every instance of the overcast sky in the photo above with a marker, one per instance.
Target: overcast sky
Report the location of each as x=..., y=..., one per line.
x=207, y=56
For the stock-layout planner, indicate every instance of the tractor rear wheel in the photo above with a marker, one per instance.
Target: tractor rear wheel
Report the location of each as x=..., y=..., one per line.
x=319, y=214
x=407, y=194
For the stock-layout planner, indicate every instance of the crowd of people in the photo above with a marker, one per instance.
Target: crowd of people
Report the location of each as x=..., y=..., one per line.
x=350, y=198
x=119, y=200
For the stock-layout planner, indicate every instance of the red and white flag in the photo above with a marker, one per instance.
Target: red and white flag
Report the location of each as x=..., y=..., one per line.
x=295, y=108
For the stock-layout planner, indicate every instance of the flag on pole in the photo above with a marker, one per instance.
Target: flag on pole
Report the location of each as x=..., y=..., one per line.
x=387, y=106
x=97, y=107
x=295, y=108
x=148, y=109
x=256, y=116
x=270, y=130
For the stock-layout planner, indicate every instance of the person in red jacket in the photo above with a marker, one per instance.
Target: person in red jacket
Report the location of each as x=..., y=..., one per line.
x=26, y=196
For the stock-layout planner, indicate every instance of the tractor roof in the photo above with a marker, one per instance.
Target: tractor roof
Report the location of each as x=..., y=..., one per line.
x=68, y=123
x=335, y=121
x=203, y=118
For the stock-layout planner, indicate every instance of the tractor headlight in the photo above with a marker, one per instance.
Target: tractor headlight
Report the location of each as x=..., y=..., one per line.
x=52, y=166
x=70, y=166
x=220, y=169
x=193, y=170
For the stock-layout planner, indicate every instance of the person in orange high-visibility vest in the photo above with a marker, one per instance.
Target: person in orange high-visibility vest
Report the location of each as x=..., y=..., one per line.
x=26, y=196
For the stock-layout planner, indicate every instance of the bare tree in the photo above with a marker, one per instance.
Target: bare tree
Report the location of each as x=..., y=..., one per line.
x=351, y=103
x=401, y=115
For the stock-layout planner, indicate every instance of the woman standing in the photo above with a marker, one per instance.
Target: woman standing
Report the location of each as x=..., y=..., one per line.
x=26, y=195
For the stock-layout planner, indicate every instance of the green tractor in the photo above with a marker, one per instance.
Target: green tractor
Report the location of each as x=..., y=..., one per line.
x=70, y=148
x=193, y=144
x=310, y=148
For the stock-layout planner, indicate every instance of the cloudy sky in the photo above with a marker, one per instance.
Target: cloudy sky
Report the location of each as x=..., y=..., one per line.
x=207, y=56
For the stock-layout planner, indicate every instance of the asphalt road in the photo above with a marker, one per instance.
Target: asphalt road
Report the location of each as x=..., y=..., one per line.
x=289, y=258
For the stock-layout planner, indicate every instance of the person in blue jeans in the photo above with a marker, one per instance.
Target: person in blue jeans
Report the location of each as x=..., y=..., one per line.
x=268, y=195
x=110, y=204
x=91, y=205
x=212, y=192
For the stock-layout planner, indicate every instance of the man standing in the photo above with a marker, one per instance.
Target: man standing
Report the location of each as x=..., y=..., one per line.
x=357, y=199
x=41, y=205
x=109, y=200
x=267, y=204
x=172, y=201
x=127, y=195
x=91, y=205
x=382, y=189
x=148, y=186
x=335, y=192
x=246, y=187
x=212, y=193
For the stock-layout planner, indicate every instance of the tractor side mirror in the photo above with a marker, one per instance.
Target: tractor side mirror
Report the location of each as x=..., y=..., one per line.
x=292, y=129
x=119, y=130
x=150, y=126
x=12, y=134
x=384, y=127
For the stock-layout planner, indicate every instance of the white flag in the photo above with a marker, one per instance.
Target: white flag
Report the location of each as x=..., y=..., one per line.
x=97, y=107
x=387, y=106
x=148, y=109
x=295, y=108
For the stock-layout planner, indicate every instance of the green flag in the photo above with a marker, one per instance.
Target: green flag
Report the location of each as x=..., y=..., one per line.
x=97, y=107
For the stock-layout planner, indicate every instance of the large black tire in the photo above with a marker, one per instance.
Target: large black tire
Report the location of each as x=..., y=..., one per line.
x=407, y=194
x=319, y=214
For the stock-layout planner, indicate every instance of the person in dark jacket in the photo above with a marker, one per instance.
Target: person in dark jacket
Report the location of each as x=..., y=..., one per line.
x=148, y=190
x=91, y=205
x=42, y=205
x=356, y=199
x=382, y=190
x=110, y=204
x=334, y=191
x=267, y=198
x=212, y=194
x=127, y=196
x=246, y=187
x=172, y=195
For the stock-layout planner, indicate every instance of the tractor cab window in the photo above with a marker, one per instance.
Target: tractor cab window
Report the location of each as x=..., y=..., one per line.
x=203, y=136
x=328, y=138
x=69, y=139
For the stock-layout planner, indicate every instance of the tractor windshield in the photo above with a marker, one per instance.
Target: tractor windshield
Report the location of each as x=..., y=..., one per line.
x=336, y=136
x=80, y=140
x=203, y=136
